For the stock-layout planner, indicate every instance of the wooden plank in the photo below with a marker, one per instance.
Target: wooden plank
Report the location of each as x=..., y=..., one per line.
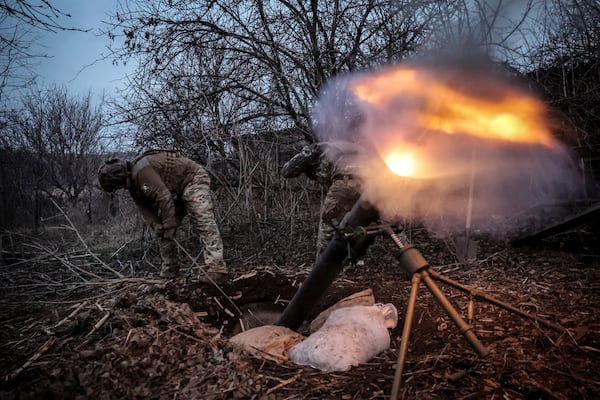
x=590, y=214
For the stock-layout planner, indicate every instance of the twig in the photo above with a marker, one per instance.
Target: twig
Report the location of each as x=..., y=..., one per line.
x=34, y=357
x=245, y=276
x=223, y=308
x=63, y=258
x=590, y=348
x=72, y=268
x=284, y=383
x=101, y=282
x=75, y=311
x=119, y=249
x=209, y=278
x=104, y=265
x=127, y=338
x=99, y=323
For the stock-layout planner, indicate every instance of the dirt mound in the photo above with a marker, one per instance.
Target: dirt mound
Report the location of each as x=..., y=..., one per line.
x=144, y=338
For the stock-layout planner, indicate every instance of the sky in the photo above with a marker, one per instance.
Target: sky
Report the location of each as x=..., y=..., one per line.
x=75, y=59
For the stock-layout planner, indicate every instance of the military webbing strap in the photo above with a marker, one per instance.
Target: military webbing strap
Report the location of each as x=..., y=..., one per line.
x=169, y=166
x=171, y=155
x=153, y=151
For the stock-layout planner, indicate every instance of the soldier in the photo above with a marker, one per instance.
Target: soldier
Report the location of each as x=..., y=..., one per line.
x=323, y=162
x=166, y=186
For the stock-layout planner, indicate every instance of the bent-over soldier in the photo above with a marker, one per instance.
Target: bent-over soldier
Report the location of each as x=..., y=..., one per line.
x=322, y=162
x=166, y=186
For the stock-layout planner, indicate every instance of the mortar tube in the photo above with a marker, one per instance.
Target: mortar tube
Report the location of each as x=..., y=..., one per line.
x=327, y=267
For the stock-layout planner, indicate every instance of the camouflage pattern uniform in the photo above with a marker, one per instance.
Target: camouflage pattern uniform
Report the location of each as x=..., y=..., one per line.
x=166, y=186
x=324, y=163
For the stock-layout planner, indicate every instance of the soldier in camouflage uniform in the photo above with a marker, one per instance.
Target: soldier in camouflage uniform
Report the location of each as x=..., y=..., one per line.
x=166, y=186
x=323, y=163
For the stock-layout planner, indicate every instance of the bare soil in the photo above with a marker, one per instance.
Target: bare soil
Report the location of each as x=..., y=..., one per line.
x=68, y=334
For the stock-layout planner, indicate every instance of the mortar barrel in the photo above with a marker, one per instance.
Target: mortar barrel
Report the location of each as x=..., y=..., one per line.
x=327, y=267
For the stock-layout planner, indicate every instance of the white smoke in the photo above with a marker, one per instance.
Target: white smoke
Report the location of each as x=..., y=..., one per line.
x=506, y=177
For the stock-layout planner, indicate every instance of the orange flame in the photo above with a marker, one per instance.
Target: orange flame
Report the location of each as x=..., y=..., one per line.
x=401, y=164
x=434, y=106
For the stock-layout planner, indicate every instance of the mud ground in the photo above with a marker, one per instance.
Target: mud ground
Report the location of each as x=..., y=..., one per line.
x=68, y=335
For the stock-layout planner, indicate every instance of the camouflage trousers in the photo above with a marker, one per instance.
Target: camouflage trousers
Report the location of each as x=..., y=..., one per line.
x=198, y=202
x=340, y=198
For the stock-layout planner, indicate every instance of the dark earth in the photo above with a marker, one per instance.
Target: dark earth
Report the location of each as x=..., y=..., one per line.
x=71, y=329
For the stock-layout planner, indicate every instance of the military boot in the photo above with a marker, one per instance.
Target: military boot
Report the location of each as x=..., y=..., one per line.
x=216, y=273
x=170, y=265
x=169, y=271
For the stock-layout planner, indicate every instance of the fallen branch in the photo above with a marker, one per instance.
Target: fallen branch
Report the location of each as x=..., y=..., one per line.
x=99, y=323
x=209, y=278
x=104, y=265
x=68, y=317
x=284, y=383
x=34, y=357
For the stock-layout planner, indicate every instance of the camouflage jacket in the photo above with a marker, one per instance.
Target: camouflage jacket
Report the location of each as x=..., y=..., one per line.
x=157, y=180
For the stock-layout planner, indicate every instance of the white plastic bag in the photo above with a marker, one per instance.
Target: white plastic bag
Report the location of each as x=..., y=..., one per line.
x=350, y=336
x=362, y=298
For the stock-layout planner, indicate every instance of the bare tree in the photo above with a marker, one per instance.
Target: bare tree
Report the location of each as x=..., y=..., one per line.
x=20, y=21
x=212, y=73
x=568, y=71
x=235, y=67
x=62, y=135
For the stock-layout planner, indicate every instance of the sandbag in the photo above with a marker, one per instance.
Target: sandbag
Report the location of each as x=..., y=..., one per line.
x=362, y=298
x=349, y=337
x=270, y=342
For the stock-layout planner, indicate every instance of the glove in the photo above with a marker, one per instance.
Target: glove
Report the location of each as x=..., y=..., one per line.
x=169, y=234
x=306, y=161
x=158, y=229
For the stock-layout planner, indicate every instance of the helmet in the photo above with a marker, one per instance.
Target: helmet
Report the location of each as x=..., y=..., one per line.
x=112, y=174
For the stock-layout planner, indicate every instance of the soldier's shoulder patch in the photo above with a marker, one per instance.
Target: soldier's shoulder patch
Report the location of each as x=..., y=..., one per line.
x=145, y=188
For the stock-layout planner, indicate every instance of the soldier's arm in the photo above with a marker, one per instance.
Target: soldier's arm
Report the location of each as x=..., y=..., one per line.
x=305, y=162
x=151, y=185
x=149, y=216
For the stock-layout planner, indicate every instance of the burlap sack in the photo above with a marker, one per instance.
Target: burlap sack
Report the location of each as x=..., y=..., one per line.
x=270, y=342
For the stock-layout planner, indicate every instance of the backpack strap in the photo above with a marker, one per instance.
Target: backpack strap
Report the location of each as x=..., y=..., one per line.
x=153, y=151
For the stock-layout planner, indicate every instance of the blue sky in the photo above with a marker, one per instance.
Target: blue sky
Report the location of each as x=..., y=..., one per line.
x=75, y=59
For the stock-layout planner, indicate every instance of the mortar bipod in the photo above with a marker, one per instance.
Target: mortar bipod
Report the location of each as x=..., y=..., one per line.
x=413, y=263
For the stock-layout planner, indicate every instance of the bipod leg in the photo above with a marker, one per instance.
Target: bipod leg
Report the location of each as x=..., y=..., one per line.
x=410, y=309
x=478, y=294
x=464, y=328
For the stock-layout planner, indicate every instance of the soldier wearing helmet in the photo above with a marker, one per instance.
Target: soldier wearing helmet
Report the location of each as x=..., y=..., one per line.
x=327, y=164
x=165, y=187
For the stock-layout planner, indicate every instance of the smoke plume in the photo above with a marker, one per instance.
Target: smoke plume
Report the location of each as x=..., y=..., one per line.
x=426, y=138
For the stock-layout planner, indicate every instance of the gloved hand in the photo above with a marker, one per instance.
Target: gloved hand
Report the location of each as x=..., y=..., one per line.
x=158, y=229
x=169, y=234
x=304, y=162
